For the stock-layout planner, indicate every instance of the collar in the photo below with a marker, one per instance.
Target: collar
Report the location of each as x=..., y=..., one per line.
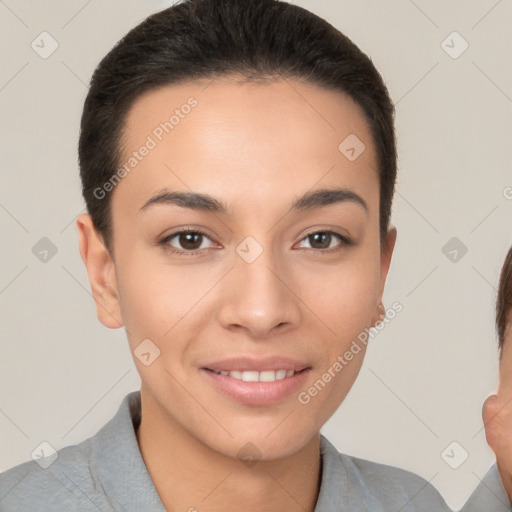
x=117, y=461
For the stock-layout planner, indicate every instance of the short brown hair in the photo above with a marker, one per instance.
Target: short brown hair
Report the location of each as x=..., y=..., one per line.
x=504, y=300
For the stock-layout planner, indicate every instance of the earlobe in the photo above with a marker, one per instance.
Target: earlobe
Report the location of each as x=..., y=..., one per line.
x=379, y=314
x=101, y=272
x=490, y=416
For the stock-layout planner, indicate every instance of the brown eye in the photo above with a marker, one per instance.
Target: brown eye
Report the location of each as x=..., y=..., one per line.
x=190, y=241
x=186, y=241
x=325, y=241
x=320, y=240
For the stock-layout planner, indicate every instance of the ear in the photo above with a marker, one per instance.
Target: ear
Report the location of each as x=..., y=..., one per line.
x=385, y=261
x=101, y=271
x=492, y=422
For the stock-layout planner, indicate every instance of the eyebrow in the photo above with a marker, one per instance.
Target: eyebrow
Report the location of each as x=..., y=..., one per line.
x=205, y=202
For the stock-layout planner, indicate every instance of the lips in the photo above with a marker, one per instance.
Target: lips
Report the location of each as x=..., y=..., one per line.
x=261, y=381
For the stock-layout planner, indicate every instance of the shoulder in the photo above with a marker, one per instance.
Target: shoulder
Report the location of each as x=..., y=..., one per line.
x=95, y=475
x=372, y=475
x=51, y=483
x=378, y=486
x=489, y=494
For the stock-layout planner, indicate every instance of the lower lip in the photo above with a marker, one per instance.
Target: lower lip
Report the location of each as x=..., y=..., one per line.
x=257, y=393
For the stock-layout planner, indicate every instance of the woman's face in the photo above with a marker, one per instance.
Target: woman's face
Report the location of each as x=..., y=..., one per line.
x=262, y=289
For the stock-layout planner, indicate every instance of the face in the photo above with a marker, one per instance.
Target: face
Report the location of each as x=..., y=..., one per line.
x=497, y=416
x=248, y=284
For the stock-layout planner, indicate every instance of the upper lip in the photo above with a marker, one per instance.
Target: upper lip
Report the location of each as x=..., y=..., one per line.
x=260, y=364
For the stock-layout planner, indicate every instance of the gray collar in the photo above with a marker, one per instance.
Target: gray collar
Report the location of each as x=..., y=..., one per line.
x=117, y=461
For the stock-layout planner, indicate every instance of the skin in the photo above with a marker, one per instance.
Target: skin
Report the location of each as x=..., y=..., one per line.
x=256, y=148
x=497, y=416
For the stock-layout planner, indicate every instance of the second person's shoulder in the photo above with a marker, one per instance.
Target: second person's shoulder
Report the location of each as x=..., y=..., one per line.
x=357, y=483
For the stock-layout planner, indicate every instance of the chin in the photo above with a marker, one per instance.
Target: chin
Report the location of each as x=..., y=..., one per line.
x=260, y=446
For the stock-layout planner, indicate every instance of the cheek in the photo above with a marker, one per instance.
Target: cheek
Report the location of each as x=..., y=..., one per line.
x=160, y=301
x=149, y=300
x=506, y=447
x=504, y=438
x=346, y=305
x=346, y=296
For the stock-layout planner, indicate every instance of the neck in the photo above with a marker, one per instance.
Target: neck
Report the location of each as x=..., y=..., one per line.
x=190, y=476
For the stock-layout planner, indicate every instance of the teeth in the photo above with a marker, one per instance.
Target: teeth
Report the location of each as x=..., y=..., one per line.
x=267, y=376
x=280, y=374
x=250, y=376
x=255, y=376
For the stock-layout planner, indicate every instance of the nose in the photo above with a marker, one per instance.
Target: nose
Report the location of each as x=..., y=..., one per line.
x=259, y=298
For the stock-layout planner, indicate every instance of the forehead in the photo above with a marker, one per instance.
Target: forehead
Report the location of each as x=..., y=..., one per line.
x=256, y=139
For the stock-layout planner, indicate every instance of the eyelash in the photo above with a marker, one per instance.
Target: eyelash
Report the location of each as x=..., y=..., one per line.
x=345, y=242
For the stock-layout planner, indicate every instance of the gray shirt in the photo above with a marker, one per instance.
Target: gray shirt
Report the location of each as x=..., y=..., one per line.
x=106, y=473
x=489, y=496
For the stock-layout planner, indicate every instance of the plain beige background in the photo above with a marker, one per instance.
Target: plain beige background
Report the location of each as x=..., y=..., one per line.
x=63, y=374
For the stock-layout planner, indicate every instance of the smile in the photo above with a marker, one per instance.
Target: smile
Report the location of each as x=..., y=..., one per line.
x=253, y=387
x=256, y=376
